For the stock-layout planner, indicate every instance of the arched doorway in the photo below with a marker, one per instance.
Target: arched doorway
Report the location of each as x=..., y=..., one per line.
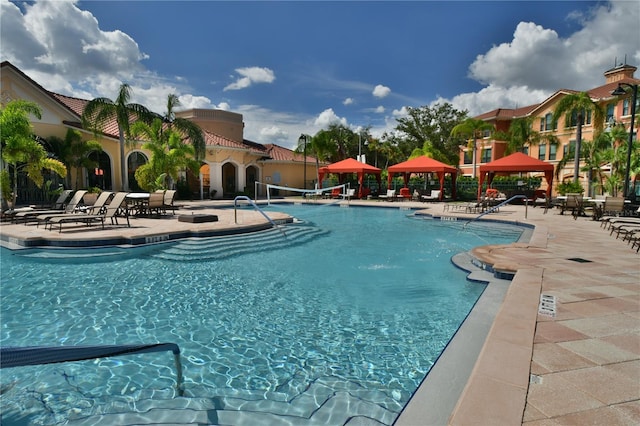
x=229, y=187
x=100, y=177
x=251, y=176
x=135, y=160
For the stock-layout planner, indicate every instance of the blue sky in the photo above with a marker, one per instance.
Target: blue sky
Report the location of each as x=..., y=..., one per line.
x=291, y=67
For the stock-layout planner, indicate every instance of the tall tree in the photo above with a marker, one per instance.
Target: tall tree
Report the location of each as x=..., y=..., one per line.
x=186, y=128
x=432, y=125
x=74, y=153
x=100, y=110
x=20, y=149
x=521, y=134
x=472, y=128
x=321, y=146
x=169, y=155
x=578, y=105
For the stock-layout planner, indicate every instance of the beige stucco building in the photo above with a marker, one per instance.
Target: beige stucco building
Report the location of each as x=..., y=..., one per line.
x=232, y=164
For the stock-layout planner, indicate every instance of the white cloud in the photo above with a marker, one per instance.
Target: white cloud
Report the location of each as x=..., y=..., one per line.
x=381, y=91
x=327, y=117
x=273, y=133
x=380, y=110
x=251, y=75
x=537, y=61
x=347, y=101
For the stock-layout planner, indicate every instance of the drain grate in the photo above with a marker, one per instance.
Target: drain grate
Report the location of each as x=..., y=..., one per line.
x=579, y=260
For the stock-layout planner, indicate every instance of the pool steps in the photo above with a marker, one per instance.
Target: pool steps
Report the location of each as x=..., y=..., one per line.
x=325, y=401
x=234, y=245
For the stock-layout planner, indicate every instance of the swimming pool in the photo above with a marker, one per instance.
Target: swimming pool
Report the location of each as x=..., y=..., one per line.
x=341, y=318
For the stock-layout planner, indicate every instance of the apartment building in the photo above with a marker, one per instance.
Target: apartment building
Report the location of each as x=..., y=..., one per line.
x=618, y=110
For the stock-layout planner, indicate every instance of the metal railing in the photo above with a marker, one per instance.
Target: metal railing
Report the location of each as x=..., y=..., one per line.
x=255, y=206
x=38, y=355
x=494, y=208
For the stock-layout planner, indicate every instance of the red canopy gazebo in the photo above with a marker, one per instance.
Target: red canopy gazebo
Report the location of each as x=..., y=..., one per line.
x=424, y=164
x=349, y=165
x=516, y=163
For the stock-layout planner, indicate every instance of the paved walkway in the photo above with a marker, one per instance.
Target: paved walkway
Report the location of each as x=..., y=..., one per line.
x=581, y=366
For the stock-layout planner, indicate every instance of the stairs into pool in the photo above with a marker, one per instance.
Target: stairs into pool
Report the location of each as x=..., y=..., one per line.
x=195, y=249
x=325, y=401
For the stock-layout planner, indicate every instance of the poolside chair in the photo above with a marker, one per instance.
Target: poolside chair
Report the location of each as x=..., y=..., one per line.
x=96, y=208
x=111, y=211
x=169, y=201
x=58, y=204
x=335, y=193
x=433, y=196
x=155, y=204
x=390, y=196
x=575, y=204
x=350, y=194
x=405, y=194
x=612, y=207
x=40, y=215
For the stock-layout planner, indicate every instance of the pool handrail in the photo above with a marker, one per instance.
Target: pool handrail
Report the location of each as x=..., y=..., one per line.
x=13, y=356
x=255, y=206
x=494, y=208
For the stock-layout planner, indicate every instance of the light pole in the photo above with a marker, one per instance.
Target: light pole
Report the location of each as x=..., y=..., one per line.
x=619, y=92
x=303, y=139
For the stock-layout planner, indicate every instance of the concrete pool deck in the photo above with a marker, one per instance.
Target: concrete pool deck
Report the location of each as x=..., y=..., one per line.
x=581, y=366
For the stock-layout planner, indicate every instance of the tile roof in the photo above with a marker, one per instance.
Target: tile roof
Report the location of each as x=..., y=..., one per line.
x=279, y=153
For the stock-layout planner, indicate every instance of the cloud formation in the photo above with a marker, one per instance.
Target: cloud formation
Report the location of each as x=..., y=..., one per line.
x=537, y=61
x=250, y=76
x=381, y=91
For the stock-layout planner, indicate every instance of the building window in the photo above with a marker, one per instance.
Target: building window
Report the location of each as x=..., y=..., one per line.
x=626, y=107
x=542, y=152
x=546, y=122
x=525, y=150
x=552, y=152
x=468, y=157
x=610, y=109
x=486, y=155
x=569, y=149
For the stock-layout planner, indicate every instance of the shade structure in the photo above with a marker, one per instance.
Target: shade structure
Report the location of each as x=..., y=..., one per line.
x=515, y=163
x=348, y=166
x=424, y=164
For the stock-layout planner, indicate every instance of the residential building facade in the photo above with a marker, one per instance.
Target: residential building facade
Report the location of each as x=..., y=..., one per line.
x=231, y=165
x=618, y=110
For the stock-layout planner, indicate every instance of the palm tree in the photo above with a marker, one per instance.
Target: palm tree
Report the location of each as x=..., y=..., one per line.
x=521, y=134
x=100, y=110
x=579, y=104
x=20, y=148
x=186, y=128
x=472, y=128
x=321, y=146
x=169, y=154
x=74, y=153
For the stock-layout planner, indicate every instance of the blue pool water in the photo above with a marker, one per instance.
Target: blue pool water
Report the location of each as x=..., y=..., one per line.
x=341, y=318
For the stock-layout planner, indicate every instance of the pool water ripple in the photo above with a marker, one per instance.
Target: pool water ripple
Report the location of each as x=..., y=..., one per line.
x=346, y=323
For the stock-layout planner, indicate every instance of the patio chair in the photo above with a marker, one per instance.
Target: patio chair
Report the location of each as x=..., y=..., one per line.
x=96, y=208
x=111, y=211
x=350, y=194
x=58, y=204
x=405, y=194
x=575, y=204
x=169, y=201
x=155, y=204
x=40, y=215
x=434, y=196
x=612, y=207
x=390, y=195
